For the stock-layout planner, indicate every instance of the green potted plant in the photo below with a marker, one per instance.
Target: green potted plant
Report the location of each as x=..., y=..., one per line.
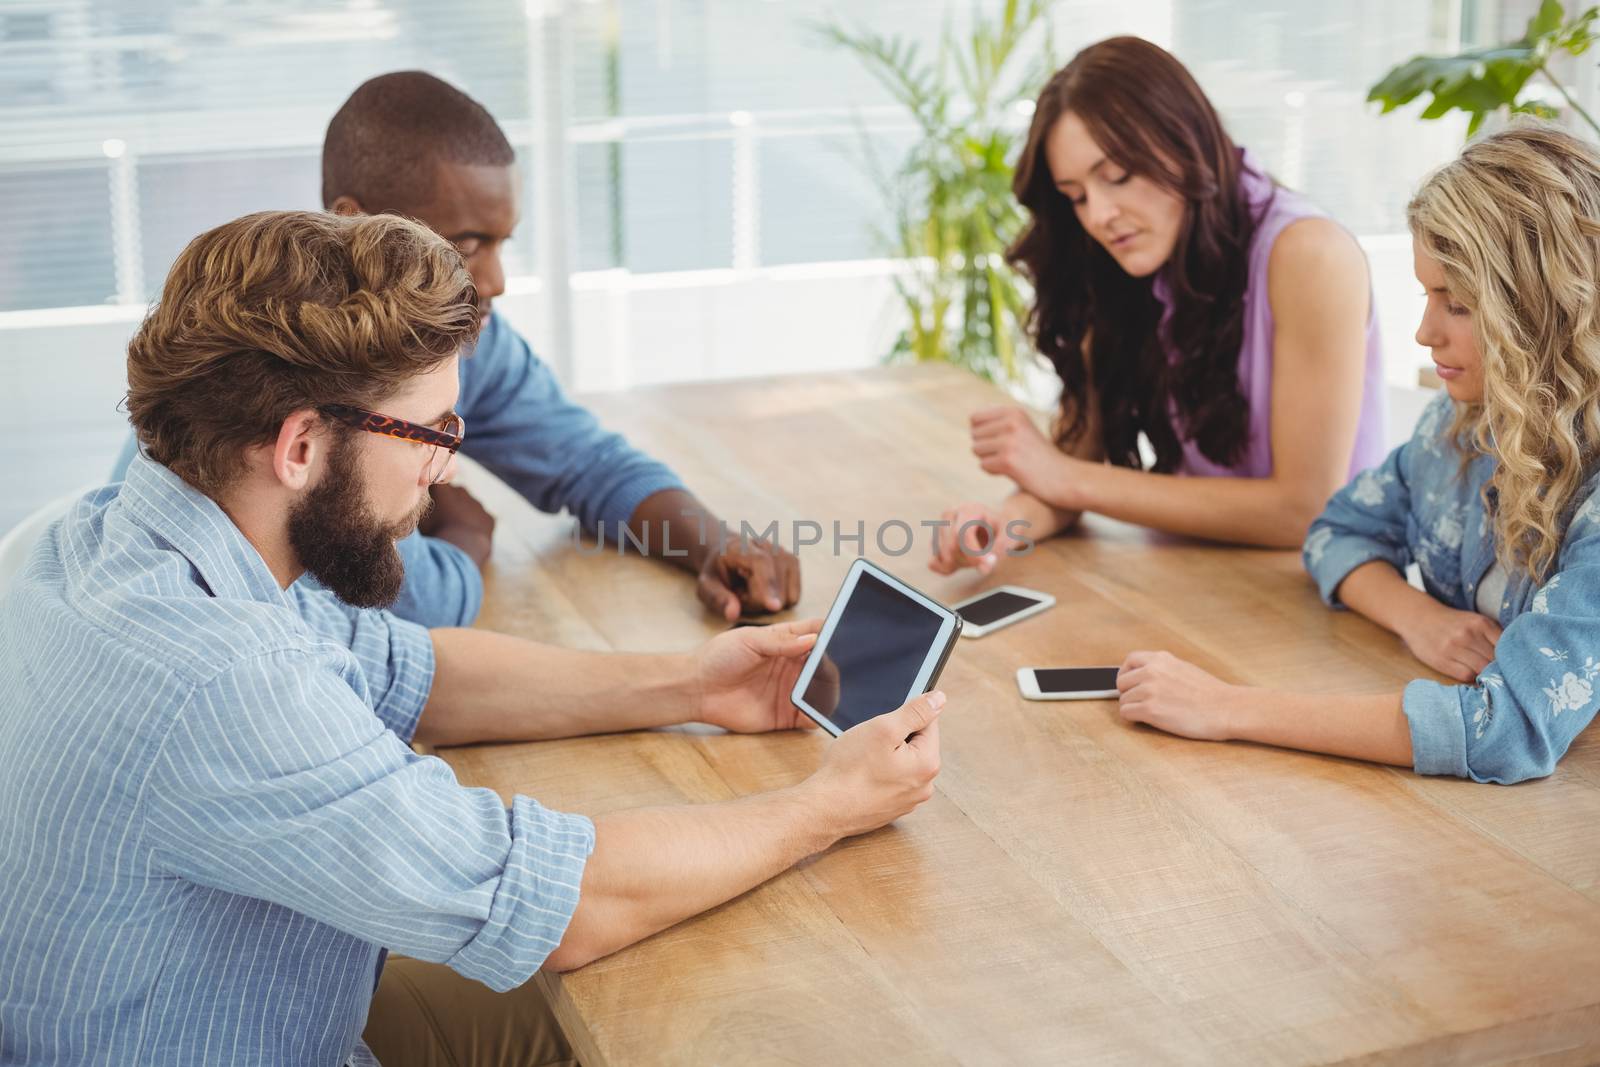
x=949, y=200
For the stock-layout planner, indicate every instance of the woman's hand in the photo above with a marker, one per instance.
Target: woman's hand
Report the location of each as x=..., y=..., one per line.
x=1170, y=694
x=1007, y=442
x=1459, y=644
x=973, y=535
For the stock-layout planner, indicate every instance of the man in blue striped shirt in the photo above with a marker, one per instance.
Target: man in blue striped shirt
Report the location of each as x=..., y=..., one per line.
x=211, y=822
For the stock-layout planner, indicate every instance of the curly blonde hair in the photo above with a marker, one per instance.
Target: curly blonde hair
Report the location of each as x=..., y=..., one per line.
x=281, y=311
x=1514, y=222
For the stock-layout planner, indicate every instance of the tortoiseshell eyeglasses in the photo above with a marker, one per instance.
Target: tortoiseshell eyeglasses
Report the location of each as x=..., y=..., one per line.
x=445, y=441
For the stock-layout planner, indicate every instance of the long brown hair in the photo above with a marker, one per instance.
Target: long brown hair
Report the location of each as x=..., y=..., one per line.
x=1150, y=117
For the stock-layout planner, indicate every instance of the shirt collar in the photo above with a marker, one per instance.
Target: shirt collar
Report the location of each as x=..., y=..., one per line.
x=198, y=528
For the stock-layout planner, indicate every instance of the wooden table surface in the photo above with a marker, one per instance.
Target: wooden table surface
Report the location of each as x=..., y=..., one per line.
x=1078, y=890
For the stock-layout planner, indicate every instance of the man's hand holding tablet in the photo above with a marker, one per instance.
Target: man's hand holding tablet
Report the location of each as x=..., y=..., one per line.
x=875, y=772
x=882, y=769
x=744, y=676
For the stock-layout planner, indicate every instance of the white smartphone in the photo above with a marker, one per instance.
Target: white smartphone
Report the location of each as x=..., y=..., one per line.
x=997, y=607
x=1068, y=683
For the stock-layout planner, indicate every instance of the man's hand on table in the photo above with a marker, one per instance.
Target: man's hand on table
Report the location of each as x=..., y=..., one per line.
x=457, y=517
x=751, y=575
x=734, y=574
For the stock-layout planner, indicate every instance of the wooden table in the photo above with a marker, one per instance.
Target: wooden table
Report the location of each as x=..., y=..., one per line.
x=1078, y=890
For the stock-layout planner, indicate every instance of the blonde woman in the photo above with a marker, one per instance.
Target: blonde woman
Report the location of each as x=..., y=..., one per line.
x=1496, y=497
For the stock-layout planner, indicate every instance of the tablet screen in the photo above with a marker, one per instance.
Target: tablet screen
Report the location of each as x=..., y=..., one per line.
x=873, y=655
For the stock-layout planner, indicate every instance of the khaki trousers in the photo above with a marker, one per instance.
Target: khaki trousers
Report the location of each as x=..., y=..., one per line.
x=426, y=1015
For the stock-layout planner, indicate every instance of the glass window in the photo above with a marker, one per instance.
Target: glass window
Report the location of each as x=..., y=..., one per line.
x=217, y=108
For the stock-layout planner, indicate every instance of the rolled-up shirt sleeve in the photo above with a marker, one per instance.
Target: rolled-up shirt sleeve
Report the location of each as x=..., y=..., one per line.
x=277, y=782
x=1529, y=704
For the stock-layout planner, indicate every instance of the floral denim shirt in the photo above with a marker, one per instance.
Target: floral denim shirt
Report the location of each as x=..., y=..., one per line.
x=1527, y=705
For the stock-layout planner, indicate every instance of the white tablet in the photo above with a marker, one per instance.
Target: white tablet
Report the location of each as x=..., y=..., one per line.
x=882, y=644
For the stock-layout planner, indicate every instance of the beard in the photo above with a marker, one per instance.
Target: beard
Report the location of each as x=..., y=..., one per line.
x=341, y=543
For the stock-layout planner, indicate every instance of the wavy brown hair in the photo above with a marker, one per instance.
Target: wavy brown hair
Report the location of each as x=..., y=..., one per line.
x=281, y=311
x=1514, y=222
x=1147, y=113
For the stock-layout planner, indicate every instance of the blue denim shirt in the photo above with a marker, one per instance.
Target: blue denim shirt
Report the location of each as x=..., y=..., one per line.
x=523, y=428
x=1526, y=707
x=210, y=821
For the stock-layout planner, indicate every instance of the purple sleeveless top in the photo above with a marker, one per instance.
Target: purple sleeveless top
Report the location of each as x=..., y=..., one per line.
x=1281, y=206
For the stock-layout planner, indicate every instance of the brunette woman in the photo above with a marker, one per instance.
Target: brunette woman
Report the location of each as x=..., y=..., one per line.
x=1188, y=303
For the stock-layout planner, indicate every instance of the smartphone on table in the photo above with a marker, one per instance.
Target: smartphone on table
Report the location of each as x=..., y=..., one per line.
x=992, y=609
x=1068, y=683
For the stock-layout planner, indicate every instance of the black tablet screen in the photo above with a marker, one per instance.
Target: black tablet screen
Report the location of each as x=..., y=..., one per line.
x=873, y=654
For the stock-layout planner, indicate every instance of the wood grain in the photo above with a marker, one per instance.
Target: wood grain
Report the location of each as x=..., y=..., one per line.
x=1078, y=890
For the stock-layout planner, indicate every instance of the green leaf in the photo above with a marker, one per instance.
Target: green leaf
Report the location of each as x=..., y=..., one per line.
x=1478, y=82
x=1547, y=20
x=1484, y=80
x=949, y=197
x=1537, y=108
x=1578, y=35
x=894, y=63
x=1449, y=75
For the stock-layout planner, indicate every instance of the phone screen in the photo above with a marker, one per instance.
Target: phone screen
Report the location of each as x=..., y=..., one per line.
x=1076, y=679
x=991, y=609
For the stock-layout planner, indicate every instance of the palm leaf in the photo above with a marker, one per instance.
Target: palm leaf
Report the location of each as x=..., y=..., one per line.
x=949, y=198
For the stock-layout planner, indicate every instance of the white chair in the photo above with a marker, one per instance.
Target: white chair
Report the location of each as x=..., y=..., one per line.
x=20, y=539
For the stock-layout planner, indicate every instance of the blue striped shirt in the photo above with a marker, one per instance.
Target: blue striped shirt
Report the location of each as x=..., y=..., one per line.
x=210, y=819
